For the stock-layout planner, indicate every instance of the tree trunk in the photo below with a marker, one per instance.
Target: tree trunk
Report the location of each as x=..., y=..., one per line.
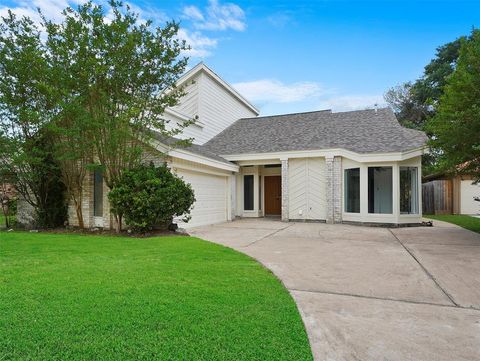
x=118, y=223
x=79, y=211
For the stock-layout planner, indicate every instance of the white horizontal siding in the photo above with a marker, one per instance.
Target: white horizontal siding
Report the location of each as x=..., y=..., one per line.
x=189, y=103
x=218, y=108
x=215, y=107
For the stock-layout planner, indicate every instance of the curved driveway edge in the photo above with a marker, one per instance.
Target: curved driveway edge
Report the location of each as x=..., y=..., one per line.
x=369, y=293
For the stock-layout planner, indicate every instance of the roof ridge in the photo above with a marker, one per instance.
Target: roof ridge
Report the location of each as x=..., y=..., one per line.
x=288, y=114
x=317, y=111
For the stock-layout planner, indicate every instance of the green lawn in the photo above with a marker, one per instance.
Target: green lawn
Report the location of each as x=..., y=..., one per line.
x=464, y=221
x=80, y=297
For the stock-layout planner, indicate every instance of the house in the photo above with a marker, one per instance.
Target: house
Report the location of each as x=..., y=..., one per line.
x=358, y=166
x=446, y=193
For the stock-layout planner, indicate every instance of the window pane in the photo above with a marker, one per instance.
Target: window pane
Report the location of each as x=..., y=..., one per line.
x=248, y=192
x=352, y=190
x=98, y=194
x=408, y=190
x=260, y=192
x=380, y=190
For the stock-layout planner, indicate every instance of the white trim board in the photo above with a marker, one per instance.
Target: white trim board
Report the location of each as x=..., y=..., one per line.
x=326, y=153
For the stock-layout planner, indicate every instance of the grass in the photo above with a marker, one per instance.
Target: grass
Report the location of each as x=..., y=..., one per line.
x=80, y=297
x=468, y=222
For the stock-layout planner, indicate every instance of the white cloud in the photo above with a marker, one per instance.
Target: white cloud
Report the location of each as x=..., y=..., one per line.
x=52, y=9
x=352, y=102
x=201, y=46
x=275, y=97
x=216, y=16
x=274, y=91
x=192, y=12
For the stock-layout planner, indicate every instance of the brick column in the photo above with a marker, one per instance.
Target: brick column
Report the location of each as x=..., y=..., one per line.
x=284, y=190
x=334, y=189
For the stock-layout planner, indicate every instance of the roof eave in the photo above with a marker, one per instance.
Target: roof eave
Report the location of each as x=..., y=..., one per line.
x=329, y=153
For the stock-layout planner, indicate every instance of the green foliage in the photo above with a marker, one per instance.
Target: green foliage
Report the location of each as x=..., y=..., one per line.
x=149, y=196
x=25, y=111
x=415, y=102
x=410, y=112
x=117, y=76
x=8, y=211
x=75, y=297
x=456, y=126
x=96, y=84
x=51, y=210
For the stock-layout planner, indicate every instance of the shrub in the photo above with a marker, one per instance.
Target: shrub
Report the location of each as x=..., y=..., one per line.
x=149, y=196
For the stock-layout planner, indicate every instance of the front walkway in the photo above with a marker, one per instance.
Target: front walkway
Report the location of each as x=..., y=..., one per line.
x=372, y=293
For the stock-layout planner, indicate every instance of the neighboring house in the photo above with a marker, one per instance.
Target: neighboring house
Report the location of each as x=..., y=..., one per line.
x=447, y=194
x=358, y=166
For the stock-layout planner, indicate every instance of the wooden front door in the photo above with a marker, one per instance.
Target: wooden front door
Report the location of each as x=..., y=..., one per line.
x=273, y=195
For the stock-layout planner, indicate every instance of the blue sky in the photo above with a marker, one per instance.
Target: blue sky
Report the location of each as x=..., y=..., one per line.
x=290, y=56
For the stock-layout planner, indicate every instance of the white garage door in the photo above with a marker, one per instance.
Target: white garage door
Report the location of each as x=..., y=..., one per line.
x=467, y=203
x=211, y=198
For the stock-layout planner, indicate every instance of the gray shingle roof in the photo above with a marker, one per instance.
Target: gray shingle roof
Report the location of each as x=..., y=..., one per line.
x=363, y=131
x=193, y=148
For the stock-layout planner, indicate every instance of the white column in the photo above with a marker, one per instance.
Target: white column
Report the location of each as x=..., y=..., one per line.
x=337, y=189
x=334, y=189
x=233, y=195
x=396, y=192
x=284, y=190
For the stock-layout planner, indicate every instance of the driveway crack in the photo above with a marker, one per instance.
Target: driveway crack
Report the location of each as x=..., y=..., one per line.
x=429, y=275
x=269, y=235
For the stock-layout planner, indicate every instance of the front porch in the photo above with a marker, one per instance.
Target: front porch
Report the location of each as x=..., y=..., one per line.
x=259, y=190
x=294, y=189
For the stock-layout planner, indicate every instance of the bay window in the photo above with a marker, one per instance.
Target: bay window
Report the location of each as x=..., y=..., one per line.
x=380, y=196
x=408, y=190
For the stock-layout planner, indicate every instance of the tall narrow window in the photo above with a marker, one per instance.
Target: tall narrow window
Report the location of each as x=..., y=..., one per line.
x=352, y=190
x=248, y=192
x=98, y=194
x=260, y=192
x=380, y=190
x=409, y=190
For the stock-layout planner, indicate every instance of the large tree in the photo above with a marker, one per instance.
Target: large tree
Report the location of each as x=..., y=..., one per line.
x=455, y=128
x=414, y=102
x=25, y=111
x=119, y=77
x=89, y=90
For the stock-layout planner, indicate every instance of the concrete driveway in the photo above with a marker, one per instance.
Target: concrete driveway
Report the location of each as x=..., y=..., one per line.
x=372, y=293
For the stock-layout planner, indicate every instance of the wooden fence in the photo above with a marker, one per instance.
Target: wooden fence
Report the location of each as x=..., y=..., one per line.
x=437, y=197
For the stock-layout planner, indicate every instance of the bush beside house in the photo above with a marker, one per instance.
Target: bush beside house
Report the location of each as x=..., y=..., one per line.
x=149, y=196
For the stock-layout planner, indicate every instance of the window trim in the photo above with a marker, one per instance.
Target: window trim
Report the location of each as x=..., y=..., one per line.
x=98, y=193
x=252, y=200
x=359, y=190
x=416, y=197
x=392, y=185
